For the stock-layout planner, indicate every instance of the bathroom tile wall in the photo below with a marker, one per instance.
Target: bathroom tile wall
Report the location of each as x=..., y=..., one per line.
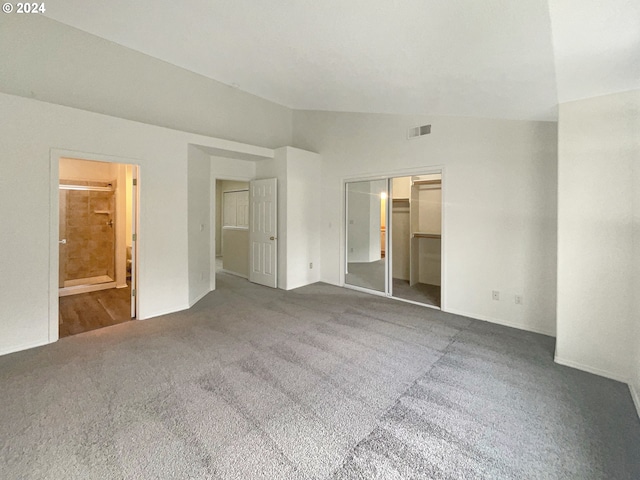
x=90, y=233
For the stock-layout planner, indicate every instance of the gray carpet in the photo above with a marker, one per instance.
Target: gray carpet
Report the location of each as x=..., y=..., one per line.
x=420, y=292
x=320, y=382
x=366, y=274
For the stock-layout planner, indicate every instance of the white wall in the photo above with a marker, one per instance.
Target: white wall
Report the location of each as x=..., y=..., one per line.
x=401, y=187
x=299, y=206
x=49, y=61
x=401, y=233
x=304, y=204
x=25, y=181
x=429, y=261
x=198, y=224
x=499, y=202
x=235, y=251
x=598, y=148
x=429, y=213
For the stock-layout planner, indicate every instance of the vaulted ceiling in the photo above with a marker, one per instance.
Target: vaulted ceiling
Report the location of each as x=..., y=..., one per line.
x=512, y=59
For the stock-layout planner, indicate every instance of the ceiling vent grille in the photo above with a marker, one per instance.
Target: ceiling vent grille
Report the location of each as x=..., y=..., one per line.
x=416, y=132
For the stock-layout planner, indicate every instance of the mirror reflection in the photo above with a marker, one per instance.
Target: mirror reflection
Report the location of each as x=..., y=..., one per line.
x=366, y=231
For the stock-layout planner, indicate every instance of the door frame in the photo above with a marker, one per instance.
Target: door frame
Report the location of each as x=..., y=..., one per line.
x=55, y=155
x=389, y=174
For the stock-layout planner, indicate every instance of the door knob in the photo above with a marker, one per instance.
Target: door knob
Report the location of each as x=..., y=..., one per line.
x=272, y=238
x=63, y=241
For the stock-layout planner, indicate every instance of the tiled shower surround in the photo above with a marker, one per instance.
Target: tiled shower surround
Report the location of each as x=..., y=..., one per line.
x=87, y=221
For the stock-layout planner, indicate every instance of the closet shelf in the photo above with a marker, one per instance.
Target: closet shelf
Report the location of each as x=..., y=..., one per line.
x=427, y=182
x=426, y=235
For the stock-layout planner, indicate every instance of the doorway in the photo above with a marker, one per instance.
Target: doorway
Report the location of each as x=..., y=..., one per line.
x=97, y=244
x=393, y=240
x=416, y=219
x=232, y=227
x=246, y=243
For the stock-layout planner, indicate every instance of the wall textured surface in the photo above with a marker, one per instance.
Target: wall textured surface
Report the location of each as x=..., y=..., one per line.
x=598, y=148
x=52, y=62
x=499, y=194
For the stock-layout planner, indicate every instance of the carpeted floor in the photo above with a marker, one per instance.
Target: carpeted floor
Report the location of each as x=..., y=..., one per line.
x=420, y=292
x=316, y=383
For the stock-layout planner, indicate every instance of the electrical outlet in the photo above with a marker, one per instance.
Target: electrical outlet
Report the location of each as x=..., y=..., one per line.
x=310, y=265
x=518, y=299
x=495, y=294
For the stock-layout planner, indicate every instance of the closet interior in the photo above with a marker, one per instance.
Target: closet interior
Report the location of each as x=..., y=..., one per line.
x=416, y=228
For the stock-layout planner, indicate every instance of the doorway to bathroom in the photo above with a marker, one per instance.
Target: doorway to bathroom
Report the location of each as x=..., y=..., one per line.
x=97, y=244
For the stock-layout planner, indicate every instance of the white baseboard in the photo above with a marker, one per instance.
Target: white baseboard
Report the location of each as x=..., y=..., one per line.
x=498, y=321
x=199, y=297
x=587, y=368
x=234, y=273
x=25, y=346
x=161, y=313
x=635, y=396
x=300, y=284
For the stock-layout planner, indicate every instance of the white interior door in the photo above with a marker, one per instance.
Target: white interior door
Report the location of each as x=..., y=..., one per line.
x=263, y=228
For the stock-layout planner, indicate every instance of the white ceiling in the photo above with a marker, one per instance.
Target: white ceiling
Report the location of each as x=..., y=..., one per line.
x=489, y=58
x=597, y=46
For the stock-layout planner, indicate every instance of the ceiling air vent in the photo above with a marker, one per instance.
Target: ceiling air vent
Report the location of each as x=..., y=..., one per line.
x=415, y=132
